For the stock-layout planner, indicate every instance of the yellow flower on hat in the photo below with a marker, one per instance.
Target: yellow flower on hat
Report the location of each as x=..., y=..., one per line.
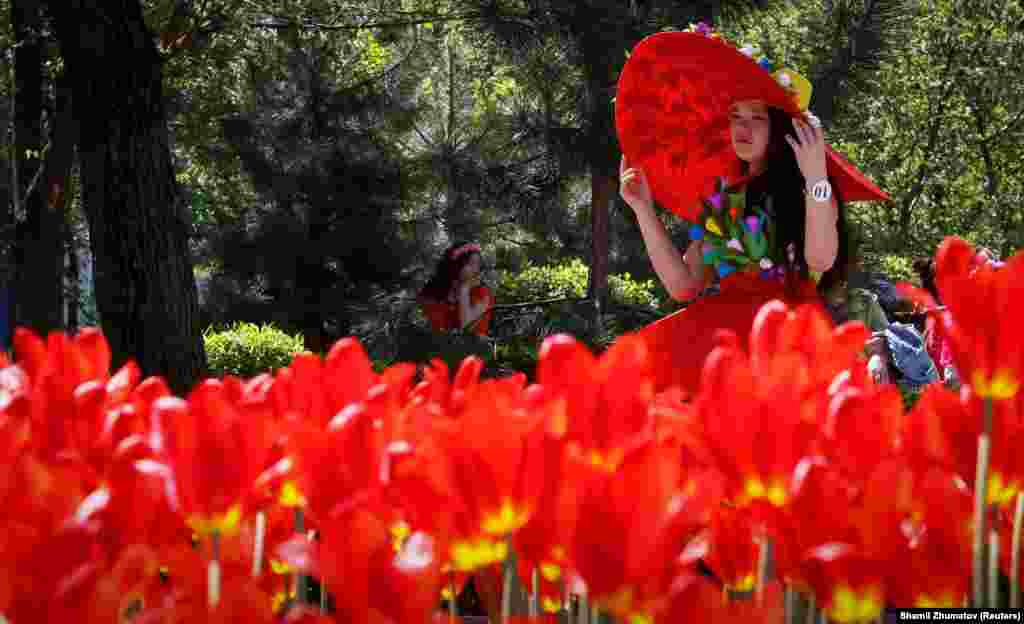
x=796, y=84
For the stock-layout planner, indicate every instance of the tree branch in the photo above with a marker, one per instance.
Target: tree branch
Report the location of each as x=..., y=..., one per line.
x=530, y=304
x=991, y=176
x=933, y=134
x=19, y=205
x=308, y=25
x=1010, y=126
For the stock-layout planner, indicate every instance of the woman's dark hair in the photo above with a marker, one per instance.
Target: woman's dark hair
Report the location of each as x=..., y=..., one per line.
x=784, y=182
x=925, y=269
x=446, y=273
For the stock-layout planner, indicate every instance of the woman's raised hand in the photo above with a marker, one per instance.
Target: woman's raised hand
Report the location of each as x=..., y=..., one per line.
x=633, y=187
x=809, y=149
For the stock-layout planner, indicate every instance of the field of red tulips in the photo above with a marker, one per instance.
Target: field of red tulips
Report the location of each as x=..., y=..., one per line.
x=125, y=503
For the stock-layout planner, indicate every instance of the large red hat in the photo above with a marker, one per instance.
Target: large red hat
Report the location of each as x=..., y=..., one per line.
x=672, y=116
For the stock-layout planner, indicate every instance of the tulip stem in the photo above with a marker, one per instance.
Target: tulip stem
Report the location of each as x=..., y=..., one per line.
x=258, y=544
x=566, y=598
x=453, y=607
x=506, y=589
x=1018, y=520
x=811, y=619
x=300, y=578
x=213, y=572
x=535, y=593
x=582, y=612
x=980, y=512
x=987, y=422
x=993, y=569
x=790, y=604
x=323, y=585
x=763, y=556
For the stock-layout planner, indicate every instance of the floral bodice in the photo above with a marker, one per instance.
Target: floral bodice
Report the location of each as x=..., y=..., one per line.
x=738, y=238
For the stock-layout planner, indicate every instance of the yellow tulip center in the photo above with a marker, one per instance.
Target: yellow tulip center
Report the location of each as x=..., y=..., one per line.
x=509, y=518
x=755, y=489
x=852, y=607
x=471, y=555
x=1003, y=384
x=226, y=524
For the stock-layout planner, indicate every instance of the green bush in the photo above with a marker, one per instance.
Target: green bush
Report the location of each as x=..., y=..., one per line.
x=535, y=283
x=570, y=280
x=246, y=349
x=624, y=289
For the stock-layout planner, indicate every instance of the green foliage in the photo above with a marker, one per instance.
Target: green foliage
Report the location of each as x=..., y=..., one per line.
x=246, y=349
x=897, y=268
x=632, y=304
x=570, y=280
x=625, y=289
x=516, y=354
x=375, y=57
x=536, y=283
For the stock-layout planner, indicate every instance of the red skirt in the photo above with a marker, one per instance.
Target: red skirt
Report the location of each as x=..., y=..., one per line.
x=679, y=343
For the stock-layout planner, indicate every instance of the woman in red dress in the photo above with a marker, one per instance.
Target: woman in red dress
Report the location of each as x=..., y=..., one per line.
x=454, y=299
x=712, y=133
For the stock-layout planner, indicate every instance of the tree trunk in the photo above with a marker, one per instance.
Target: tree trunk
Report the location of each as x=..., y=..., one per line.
x=602, y=189
x=138, y=226
x=311, y=280
x=37, y=279
x=41, y=272
x=603, y=173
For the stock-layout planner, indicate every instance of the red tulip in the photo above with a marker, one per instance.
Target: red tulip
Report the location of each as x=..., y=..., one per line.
x=935, y=573
x=360, y=433
x=694, y=598
x=628, y=531
x=944, y=426
x=604, y=401
x=143, y=507
x=313, y=390
x=733, y=550
x=55, y=370
x=49, y=568
x=760, y=415
x=215, y=456
x=863, y=428
x=447, y=395
x=105, y=414
x=987, y=345
x=752, y=426
x=848, y=586
x=496, y=451
x=357, y=559
x=902, y=506
x=818, y=514
x=132, y=585
x=544, y=541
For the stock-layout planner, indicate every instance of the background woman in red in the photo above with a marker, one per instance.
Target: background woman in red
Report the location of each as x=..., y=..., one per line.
x=454, y=299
